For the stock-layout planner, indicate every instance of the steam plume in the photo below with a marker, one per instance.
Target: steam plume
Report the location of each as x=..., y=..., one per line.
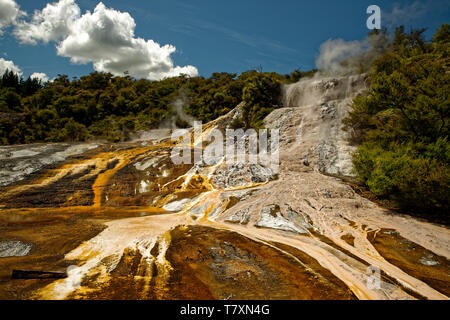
x=340, y=57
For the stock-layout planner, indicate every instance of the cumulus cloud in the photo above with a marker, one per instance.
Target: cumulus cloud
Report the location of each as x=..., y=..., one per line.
x=104, y=37
x=9, y=12
x=9, y=65
x=40, y=76
x=50, y=24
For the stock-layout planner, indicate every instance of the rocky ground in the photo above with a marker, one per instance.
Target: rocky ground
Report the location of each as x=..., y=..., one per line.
x=127, y=223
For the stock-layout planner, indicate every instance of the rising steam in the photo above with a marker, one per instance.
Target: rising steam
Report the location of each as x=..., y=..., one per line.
x=178, y=118
x=340, y=57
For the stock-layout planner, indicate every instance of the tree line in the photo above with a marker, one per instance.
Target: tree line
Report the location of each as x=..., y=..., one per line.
x=107, y=107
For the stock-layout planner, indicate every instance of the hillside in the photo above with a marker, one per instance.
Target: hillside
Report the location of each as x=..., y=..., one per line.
x=110, y=206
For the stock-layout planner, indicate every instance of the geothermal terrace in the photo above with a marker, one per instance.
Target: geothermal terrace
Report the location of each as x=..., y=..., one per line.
x=127, y=223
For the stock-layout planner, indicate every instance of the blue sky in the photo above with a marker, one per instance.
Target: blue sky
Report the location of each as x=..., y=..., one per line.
x=231, y=36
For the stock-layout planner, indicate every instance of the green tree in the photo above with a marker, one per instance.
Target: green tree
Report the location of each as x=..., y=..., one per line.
x=402, y=123
x=75, y=131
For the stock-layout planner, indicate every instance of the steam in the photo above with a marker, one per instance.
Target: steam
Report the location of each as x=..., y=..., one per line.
x=337, y=58
x=340, y=57
x=178, y=113
x=178, y=108
x=333, y=52
x=171, y=123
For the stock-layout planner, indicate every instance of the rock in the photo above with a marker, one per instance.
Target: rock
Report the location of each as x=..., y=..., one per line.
x=152, y=162
x=328, y=110
x=240, y=195
x=176, y=205
x=428, y=261
x=271, y=218
x=240, y=175
x=240, y=216
x=13, y=248
x=300, y=219
x=18, y=162
x=311, y=123
x=326, y=194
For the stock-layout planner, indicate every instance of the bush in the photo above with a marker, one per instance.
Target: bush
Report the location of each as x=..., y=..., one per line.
x=75, y=131
x=411, y=179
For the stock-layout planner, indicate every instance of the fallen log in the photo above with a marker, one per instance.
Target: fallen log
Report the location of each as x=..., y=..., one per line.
x=25, y=274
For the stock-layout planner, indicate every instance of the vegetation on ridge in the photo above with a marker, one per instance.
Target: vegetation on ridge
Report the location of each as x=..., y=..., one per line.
x=402, y=124
x=101, y=106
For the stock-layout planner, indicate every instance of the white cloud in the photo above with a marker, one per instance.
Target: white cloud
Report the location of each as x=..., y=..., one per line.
x=104, y=37
x=40, y=76
x=50, y=24
x=9, y=12
x=9, y=65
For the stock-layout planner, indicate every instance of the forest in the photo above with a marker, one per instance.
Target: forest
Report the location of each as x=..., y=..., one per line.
x=103, y=107
x=401, y=125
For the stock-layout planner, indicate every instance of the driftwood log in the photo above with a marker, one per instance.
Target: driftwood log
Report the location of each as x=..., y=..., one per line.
x=24, y=274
